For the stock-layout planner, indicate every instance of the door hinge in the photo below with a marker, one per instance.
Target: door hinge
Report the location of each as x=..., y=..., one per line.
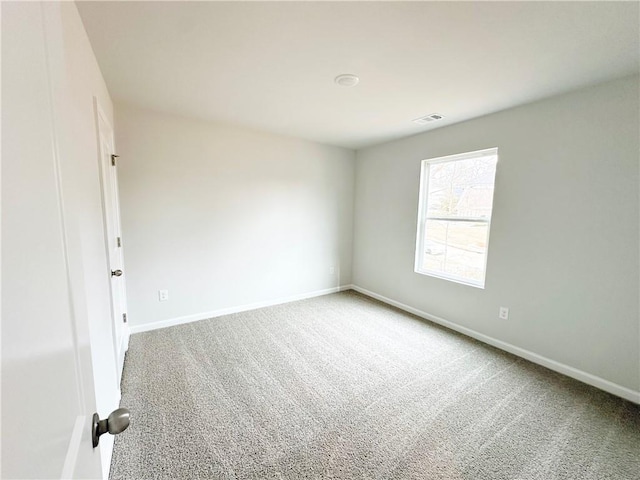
x=119, y=240
x=124, y=318
x=113, y=159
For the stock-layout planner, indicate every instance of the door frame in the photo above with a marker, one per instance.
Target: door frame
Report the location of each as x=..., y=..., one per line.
x=104, y=128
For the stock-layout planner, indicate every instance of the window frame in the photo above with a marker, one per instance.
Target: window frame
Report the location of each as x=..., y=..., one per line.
x=423, y=209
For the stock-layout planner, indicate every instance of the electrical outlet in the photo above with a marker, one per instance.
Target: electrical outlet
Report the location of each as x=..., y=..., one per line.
x=504, y=313
x=163, y=295
x=332, y=270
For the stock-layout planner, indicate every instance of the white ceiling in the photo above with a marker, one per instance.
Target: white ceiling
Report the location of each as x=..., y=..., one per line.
x=271, y=65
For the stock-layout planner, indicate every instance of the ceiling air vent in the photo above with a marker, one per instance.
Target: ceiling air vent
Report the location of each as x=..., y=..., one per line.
x=429, y=118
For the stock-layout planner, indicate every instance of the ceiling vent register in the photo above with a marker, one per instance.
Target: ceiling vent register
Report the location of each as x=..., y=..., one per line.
x=429, y=118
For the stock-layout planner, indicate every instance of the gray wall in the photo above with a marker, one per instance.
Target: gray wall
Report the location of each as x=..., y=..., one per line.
x=563, y=252
x=224, y=217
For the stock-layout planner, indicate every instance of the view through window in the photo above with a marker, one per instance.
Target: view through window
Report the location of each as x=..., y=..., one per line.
x=456, y=199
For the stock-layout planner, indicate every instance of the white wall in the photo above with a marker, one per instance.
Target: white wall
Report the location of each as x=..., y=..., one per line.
x=54, y=268
x=224, y=217
x=564, y=236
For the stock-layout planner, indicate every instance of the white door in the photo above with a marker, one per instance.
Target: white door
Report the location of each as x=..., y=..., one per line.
x=58, y=357
x=113, y=237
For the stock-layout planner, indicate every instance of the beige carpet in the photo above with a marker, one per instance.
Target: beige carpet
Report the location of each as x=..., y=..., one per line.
x=343, y=386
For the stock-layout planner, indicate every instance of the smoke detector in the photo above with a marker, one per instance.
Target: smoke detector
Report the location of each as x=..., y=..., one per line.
x=347, y=80
x=429, y=118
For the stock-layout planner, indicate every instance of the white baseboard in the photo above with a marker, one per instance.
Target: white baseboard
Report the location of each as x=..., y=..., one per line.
x=145, y=327
x=598, y=382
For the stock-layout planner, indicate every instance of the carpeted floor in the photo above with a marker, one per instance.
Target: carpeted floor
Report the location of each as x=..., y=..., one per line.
x=343, y=386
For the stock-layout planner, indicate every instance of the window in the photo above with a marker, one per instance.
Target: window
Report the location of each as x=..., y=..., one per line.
x=456, y=198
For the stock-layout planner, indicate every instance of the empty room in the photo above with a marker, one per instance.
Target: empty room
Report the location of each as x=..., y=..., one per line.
x=320, y=239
